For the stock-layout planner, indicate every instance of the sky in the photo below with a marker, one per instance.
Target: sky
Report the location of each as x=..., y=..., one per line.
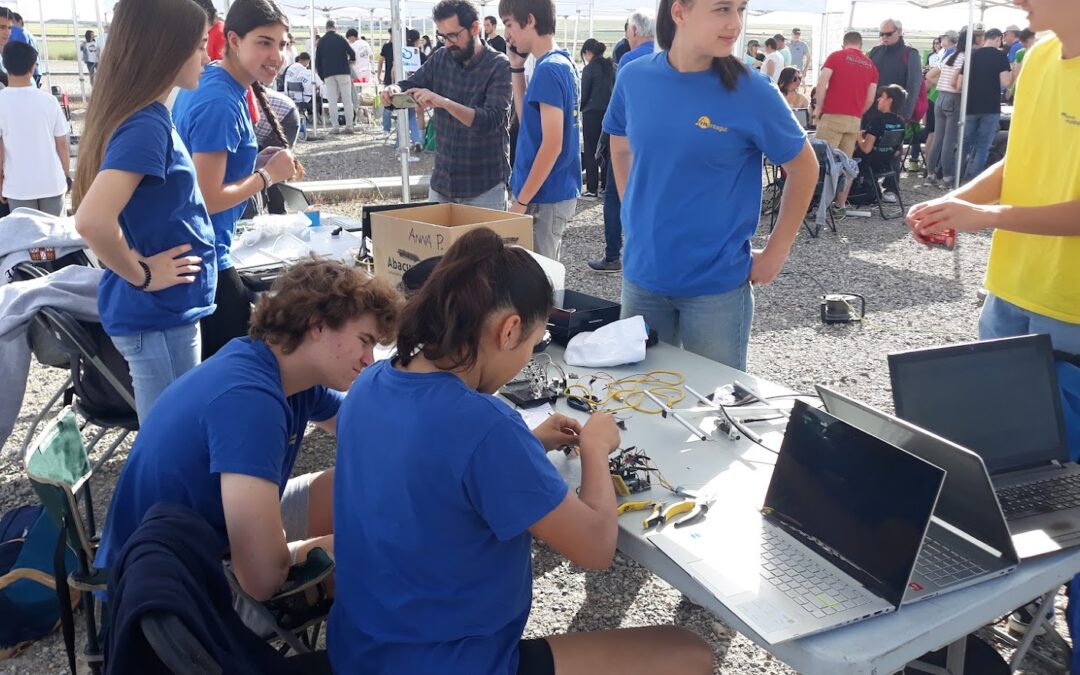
x=866, y=14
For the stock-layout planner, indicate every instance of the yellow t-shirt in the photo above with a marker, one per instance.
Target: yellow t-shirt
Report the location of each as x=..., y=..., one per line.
x=1042, y=167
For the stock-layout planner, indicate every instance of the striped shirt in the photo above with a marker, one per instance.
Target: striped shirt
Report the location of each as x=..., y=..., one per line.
x=469, y=160
x=951, y=77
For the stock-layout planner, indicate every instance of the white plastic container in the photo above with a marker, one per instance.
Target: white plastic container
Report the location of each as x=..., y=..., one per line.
x=556, y=273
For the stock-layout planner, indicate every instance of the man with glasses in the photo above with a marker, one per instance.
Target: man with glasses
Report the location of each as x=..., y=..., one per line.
x=898, y=63
x=467, y=84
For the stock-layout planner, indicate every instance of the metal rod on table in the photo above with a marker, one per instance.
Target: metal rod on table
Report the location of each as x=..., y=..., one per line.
x=739, y=426
x=665, y=410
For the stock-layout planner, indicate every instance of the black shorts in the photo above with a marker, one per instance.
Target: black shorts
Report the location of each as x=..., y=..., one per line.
x=534, y=658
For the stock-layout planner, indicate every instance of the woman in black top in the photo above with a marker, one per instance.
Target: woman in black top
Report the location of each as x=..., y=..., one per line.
x=597, y=81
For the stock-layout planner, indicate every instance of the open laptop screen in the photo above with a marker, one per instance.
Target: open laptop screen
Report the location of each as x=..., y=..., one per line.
x=998, y=398
x=967, y=500
x=860, y=502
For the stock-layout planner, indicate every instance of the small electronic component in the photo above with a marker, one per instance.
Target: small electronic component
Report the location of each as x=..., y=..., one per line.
x=533, y=386
x=631, y=471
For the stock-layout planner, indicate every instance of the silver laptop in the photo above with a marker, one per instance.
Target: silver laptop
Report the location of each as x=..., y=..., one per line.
x=968, y=540
x=836, y=541
x=1000, y=398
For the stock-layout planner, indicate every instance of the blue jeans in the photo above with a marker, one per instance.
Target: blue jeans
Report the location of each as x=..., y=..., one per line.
x=156, y=358
x=947, y=128
x=612, y=218
x=1000, y=319
x=979, y=133
x=414, y=126
x=714, y=326
x=495, y=198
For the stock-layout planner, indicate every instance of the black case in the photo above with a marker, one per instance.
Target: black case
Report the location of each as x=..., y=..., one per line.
x=580, y=313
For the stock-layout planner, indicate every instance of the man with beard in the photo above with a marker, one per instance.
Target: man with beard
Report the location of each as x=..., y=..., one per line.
x=467, y=84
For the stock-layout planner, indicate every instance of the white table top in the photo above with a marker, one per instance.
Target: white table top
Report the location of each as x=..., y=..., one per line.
x=741, y=471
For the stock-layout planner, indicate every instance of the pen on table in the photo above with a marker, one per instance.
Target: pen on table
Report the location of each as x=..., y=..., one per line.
x=665, y=410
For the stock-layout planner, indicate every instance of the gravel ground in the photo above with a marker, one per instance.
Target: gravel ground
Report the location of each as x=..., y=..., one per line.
x=916, y=297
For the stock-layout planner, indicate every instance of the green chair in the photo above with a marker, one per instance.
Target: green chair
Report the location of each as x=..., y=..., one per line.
x=59, y=472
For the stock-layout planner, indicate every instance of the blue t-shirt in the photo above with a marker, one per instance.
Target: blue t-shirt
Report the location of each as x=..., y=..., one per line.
x=215, y=118
x=1016, y=46
x=693, y=197
x=555, y=82
x=643, y=49
x=229, y=414
x=166, y=210
x=435, y=488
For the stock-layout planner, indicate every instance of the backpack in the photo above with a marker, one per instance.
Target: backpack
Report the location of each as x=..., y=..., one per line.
x=28, y=601
x=922, y=104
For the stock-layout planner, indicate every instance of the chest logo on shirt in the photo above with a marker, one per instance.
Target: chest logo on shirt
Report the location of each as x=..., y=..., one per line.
x=704, y=122
x=1070, y=119
x=292, y=439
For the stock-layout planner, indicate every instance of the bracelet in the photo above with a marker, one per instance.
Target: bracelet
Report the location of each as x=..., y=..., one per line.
x=265, y=175
x=521, y=203
x=518, y=70
x=146, y=276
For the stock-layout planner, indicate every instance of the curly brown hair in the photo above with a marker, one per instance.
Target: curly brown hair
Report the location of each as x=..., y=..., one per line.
x=317, y=292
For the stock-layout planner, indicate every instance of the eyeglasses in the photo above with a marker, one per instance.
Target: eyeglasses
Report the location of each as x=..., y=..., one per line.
x=889, y=34
x=450, y=37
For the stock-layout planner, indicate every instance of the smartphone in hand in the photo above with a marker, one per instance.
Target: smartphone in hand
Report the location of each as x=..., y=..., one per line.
x=403, y=100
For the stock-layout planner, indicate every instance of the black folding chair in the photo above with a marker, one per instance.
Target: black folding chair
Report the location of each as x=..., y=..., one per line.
x=888, y=144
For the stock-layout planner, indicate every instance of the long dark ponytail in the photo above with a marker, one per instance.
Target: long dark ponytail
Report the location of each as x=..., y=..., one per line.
x=477, y=276
x=276, y=130
x=728, y=68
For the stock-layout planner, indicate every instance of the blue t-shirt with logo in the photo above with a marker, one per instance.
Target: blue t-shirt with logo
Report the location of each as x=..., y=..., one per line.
x=693, y=198
x=554, y=82
x=165, y=211
x=229, y=414
x=435, y=488
x=643, y=49
x=215, y=118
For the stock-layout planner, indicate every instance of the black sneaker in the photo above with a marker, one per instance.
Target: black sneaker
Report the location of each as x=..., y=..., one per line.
x=605, y=265
x=1020, y=620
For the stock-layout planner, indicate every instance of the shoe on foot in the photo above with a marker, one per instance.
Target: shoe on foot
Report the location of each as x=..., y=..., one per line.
x=1020, y=620
x=889, y=197
x=417, y=148
x=605, y=265
x=588, y=194
x=911, y=165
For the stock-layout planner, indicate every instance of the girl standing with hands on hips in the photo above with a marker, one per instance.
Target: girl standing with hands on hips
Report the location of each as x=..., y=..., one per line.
x=214, y=122
x=689, y=173
x=442, y=582
x=137, y=201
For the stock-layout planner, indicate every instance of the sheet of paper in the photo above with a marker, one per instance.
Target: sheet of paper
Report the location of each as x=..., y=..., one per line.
x=534, y=417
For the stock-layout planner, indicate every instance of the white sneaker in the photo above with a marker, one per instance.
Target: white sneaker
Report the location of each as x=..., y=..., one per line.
x=889, y=197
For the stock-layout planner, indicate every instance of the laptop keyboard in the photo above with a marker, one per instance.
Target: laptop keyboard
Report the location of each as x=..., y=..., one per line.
x=944, y=566
x=1043, y=496
x=816, y=588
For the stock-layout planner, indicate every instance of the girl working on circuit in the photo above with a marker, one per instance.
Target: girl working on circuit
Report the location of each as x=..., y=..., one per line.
x=440, y=487
x=214, y=123
x=138, y=204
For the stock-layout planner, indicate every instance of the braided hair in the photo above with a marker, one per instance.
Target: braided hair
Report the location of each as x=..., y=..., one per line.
x=276, y=129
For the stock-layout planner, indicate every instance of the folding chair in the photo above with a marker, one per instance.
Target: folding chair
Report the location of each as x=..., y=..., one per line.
x=891, y=142
x=289, y=616
x=59, y=472
x=809, y=220
x=99, y=385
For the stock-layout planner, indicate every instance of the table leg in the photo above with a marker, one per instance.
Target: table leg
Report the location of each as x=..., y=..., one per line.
x=1029, y=636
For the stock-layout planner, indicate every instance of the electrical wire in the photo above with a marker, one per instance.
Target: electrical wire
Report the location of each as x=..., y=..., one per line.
x=628, y=393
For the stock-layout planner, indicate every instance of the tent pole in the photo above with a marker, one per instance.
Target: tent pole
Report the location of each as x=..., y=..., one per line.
x=402, y=114
x=851, y=16
x=316, y=96
x=100, y=26
x=75, y=37
x=45, y=47
x=592, y=18
x=964, y=97
x=577, y=22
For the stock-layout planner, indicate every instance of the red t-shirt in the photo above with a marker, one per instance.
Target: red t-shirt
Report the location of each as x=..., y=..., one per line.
x=852, y=74
x=215, y=41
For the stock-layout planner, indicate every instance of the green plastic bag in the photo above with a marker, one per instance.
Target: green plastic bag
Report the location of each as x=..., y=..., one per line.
x=429, y=137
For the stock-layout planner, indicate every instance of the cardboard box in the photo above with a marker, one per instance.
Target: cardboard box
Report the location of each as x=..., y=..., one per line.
x=404, y=237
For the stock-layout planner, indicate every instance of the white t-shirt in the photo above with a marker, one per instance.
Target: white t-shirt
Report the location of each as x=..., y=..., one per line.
x=298, y=73
x=30, y=122
x=778, y=60
x=362, y=67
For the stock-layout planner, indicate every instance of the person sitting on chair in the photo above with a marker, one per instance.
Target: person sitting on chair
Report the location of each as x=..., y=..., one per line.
x=226, y=436
x=877, y=122
x=299, y=75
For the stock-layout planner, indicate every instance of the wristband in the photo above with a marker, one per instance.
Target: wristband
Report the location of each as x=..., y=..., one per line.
x=265, y=175
x=518, y=70
x=521, y=203
x=146, y=276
